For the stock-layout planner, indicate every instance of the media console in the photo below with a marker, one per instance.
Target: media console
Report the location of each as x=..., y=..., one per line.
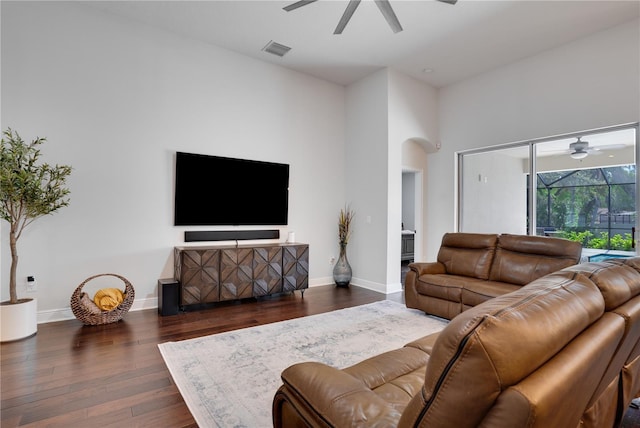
x=209, y=274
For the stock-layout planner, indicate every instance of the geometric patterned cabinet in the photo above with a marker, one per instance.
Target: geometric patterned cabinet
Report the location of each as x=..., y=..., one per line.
x=267, y=271
x=197, y=270
x=295, y=265
x=220, y=273
x=236, y=273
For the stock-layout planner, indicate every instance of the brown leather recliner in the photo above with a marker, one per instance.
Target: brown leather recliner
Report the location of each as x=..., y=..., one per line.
x=561, y=352
x=621, y=291
x=472, y=268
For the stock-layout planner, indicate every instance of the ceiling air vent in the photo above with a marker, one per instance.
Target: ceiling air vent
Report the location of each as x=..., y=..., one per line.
x=276, y=48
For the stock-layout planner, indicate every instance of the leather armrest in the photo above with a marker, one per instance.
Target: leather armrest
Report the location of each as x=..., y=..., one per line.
x=337, y=397
x=426, y=343
x=422, y=268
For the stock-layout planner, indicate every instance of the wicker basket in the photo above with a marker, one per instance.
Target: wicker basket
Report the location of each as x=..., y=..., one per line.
x=86, y=311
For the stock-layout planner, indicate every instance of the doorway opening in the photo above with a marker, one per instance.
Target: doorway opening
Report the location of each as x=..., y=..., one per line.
x=411, y=218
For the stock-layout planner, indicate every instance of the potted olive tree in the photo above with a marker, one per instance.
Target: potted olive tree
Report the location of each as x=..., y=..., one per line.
x=28, y=190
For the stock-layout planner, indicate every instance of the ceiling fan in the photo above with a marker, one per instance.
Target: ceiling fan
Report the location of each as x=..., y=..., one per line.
x=383, y=5
x=580, y=149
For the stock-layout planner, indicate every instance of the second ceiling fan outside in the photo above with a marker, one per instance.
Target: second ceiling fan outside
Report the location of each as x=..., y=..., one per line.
x=383, y=5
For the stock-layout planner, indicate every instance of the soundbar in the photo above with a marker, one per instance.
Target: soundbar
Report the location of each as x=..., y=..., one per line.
x=229, y=235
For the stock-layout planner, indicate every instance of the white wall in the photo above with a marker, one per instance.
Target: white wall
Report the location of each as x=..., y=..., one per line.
x=494, y=194
x=116, y=100
x=384, y=110
x=590, y=83
x=366, y=179
x=413, y=115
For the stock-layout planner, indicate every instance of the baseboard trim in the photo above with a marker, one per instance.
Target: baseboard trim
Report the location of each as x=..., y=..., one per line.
x=362, y=283
x=320, y=281
x=369, y=285
x=394, y=288
x=53, y=315
x=64, y=314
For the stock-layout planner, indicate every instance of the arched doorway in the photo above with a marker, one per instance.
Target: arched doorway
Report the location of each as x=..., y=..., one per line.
x=414, y=159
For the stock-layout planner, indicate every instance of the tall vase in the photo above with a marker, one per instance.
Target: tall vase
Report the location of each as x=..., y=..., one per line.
x=342, y=269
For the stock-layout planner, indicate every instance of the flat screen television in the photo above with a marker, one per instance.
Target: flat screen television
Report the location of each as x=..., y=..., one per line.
x=214, y=190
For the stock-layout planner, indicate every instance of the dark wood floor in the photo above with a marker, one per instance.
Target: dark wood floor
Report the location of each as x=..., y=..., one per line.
x=71, y=375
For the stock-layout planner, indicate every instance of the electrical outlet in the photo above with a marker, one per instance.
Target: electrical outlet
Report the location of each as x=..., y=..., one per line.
x=32, y=285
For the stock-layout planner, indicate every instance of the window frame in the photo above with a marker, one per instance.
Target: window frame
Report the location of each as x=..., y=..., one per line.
x=532, y=184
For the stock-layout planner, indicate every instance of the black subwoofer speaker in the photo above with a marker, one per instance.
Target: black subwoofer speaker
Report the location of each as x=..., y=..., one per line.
x=168, y=296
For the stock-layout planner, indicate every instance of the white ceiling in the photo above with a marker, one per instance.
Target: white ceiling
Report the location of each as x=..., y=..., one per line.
x=455, y=41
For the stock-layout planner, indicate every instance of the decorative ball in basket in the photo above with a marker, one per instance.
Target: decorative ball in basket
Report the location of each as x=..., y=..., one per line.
x=109, y=305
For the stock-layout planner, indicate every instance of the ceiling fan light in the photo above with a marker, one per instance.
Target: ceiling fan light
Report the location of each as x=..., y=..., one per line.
x=578, y=155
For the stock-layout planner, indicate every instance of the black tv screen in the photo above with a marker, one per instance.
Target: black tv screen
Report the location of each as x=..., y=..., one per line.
x=214, y=190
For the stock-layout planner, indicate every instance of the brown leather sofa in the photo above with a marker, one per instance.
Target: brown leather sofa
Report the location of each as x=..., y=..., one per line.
x=472, y=268
x=560, y=352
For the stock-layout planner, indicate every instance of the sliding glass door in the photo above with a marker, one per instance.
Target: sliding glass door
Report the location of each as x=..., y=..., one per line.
x=583, y=187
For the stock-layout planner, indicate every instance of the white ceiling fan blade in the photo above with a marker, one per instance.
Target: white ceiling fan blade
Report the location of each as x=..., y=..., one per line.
x=346, y=16
x=389, y=15
x=579, y=147
x=608, y=147
x=552, y=151
x=294, y=6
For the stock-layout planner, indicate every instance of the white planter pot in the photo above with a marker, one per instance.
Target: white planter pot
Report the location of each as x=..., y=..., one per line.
x=18, y=321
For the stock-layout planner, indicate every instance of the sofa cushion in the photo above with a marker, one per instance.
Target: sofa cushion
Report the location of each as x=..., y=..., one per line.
x=447, y=287
x=395, y=376
x=633, y=262
x=382, y=368
x=425, y=343
x=319, y=393
x=520, y=259
x=476, y=292
x=617, y=281
x=468, y=254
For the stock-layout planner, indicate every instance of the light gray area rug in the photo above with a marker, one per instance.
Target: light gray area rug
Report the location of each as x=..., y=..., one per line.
x=229, y=379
